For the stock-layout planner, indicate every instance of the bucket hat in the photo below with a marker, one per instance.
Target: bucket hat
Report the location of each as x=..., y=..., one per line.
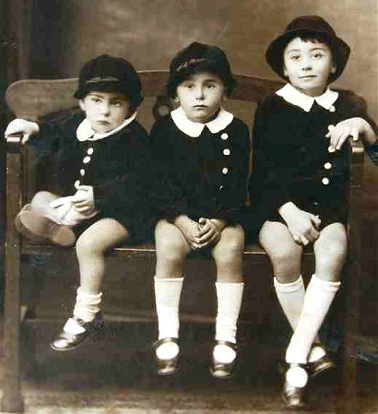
x=304, y=26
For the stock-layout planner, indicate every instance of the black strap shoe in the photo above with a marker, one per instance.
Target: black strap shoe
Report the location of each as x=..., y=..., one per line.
x=220, y=369
x=170, y=366
x=322, y=364
x=66, y=341
x=295, y=398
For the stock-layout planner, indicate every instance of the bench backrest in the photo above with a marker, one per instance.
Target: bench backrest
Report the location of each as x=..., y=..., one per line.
x=32, y=98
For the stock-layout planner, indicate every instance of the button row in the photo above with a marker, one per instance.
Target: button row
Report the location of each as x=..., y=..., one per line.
x=86, y=160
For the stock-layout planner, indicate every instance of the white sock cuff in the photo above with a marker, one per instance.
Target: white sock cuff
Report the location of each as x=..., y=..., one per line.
x=289, y=287
x=88, y=297
x=235, y=289
x=168, y=280
x=325, y=284
x=237, y=285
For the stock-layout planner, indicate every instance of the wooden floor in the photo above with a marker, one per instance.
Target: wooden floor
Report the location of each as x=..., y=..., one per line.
x=114, y=374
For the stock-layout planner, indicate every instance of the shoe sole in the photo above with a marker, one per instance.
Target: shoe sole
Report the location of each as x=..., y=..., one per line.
x=39, y=228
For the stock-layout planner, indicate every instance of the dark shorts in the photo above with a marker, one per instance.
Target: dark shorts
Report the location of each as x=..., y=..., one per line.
x=141, y=230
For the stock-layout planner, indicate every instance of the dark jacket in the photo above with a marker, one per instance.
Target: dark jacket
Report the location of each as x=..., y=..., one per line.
x=291, y=161
x=206, y=175
x=119, y=167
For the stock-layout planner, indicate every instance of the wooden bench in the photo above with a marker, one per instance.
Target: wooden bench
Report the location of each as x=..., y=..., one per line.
x=30, y=99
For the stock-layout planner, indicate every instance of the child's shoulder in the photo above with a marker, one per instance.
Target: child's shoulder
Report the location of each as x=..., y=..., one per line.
x=271, y=102
x=163, y=123
x=65, y=116
x=237, y=123
x=136, y=128
x=350, y=98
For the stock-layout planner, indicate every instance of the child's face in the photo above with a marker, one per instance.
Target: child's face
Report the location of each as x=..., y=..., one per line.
x=200, y=96
x=308, y=65
x=105, y=110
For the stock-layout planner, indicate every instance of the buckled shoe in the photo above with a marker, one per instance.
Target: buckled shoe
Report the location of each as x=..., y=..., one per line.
x=295, y=398
x=322, y=364
x=169, y=366
x=66, y=341
x=219, y=369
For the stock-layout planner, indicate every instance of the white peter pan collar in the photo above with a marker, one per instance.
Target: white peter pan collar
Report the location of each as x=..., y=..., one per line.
x=85, y=132
x=293, y=96
x=194, y=129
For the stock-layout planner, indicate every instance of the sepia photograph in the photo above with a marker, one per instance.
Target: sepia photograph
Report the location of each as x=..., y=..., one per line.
x=189, y=206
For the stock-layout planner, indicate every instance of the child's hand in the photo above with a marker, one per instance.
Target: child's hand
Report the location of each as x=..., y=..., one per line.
x=21, y=127
x=83, y=200
x=302, y=225
x=209, y=233
x=350, y=127
x=190, y=229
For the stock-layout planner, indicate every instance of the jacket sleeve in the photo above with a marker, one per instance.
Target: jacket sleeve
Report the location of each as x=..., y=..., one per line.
x=269, y=184
x=359, y=109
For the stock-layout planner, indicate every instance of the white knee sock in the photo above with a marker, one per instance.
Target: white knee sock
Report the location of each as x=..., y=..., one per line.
x=291, y=298
x=318, y=299
x=229, y=297
x=229, y=303
x=167, y=297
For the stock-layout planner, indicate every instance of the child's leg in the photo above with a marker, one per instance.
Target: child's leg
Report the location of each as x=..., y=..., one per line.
x=228, y=257
x=90, y=249
x=171, y=252
x=330, y=252
x=286, y=259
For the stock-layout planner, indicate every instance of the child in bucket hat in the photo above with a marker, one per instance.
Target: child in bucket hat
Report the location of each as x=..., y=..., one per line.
x=208, y=169
x=300, y=178
x=103, y=156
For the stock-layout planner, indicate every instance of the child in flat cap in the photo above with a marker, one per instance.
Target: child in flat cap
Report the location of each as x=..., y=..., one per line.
x=103, y=153
x=203, y=151
x=300, y=181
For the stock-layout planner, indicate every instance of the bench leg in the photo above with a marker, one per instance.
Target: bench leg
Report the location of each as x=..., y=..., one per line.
x=348, y=402
x=12, y=400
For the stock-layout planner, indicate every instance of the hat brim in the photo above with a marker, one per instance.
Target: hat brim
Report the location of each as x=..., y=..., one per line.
x=135, y=97
x=274, y=53
x=100, y=87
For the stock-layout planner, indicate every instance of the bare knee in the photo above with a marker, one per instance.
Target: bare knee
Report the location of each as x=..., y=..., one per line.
x=87, y=245
x=171, y=247
x=332, y=254
x=330, y=251
x=284, y=254
x=230, y=247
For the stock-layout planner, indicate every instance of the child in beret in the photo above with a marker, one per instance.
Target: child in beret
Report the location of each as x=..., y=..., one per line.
x=203, y=150
x=103, y=153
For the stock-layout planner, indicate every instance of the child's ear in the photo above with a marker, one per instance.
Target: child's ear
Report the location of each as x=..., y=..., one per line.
x=224, y=98
x=285, y=71
x=177, y=100
x=333, y=68
x=82, y=105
